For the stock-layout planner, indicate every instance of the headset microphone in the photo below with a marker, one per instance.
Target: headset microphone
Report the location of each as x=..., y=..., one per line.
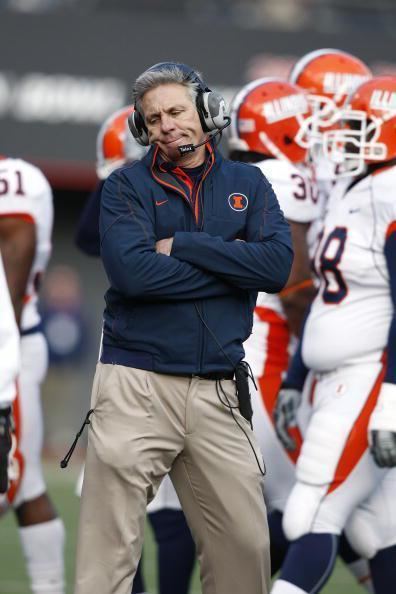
x=190, y=148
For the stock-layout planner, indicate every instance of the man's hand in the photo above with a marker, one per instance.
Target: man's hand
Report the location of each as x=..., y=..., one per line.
x=383, y=448
x=164, y=246
x=5, y=446
x=382, y=427
x=285, y=415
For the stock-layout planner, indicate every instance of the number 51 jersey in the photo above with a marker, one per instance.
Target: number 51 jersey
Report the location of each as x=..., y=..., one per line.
x=25, y=192
x=350, y=317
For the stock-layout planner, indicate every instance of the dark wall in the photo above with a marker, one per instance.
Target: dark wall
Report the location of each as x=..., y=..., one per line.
x=61, y=75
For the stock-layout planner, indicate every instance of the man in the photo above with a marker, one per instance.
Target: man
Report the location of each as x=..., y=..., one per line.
x=349, y=343
x=116, y=146
x=9, y=367
x=328, y=76
x=269, y=141
x=187, y=241
x=26, y=214
x=271, y=144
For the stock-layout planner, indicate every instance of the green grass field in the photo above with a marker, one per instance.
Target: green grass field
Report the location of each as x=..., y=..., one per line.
x=61, y=483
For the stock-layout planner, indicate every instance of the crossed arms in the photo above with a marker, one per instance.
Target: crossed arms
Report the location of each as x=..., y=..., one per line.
x=192, y=265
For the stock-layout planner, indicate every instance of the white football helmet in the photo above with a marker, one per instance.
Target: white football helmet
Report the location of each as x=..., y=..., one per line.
x=366, y=131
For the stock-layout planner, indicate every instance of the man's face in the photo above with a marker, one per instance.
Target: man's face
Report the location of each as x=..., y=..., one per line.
x=171, y=119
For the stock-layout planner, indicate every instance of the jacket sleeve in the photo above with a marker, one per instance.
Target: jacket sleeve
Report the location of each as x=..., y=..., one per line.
x=87, y=233
x=390, y=256
x=128, y=251
x=261, y=263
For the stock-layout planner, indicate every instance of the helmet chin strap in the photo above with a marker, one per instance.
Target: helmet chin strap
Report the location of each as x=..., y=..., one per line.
x=276, y=152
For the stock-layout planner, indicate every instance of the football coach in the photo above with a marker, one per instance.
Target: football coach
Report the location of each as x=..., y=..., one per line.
x=187, y=240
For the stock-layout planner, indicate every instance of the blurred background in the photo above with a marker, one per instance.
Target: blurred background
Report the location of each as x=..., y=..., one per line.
x=67, y=64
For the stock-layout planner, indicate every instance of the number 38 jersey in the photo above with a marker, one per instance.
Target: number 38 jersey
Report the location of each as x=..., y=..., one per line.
x=25, y=192
x=350, y=317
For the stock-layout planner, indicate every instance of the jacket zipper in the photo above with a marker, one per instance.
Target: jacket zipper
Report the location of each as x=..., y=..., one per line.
x=198, y=201
x=194, y=208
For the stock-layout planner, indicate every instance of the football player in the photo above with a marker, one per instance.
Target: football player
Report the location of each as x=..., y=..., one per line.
x=350, y=344
x=329, y=76
x=9, y=368
x=26, y=214
x=176, y=550
x=267, y=115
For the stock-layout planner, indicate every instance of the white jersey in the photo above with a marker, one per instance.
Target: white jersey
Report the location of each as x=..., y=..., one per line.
x=322, y=171
x=351, y=314
x=25, y=192
x=298, y=200
x=9, y=343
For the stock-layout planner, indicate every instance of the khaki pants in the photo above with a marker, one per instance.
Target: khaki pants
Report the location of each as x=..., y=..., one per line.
x=145, y=425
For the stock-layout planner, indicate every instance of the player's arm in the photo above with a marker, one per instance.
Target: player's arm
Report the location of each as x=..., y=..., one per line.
x=382, y=427
x=289, y=397
x=17, y=246
x=9, y=367
x=9, y=344
x=299, y=291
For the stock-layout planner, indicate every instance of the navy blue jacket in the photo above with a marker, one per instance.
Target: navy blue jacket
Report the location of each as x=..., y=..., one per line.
x=189, y=312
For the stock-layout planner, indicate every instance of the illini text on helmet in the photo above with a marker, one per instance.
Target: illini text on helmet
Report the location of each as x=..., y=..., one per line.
x=284, y=108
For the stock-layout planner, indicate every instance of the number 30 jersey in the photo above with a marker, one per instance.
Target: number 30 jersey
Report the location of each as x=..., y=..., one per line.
x=351, y=315
x=298, y=198
x=25, y=192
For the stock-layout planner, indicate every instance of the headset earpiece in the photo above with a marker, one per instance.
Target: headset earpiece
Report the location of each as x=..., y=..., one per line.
x=138, y=128
x=211, y=110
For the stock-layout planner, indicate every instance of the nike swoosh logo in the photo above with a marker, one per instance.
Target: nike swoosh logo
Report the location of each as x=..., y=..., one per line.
x=353, y=210
x=157, y=203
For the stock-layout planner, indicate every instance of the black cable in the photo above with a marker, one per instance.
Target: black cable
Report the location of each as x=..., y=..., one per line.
x=228, y=404
x=213, y=335
x=69, y=454
x=231, y=408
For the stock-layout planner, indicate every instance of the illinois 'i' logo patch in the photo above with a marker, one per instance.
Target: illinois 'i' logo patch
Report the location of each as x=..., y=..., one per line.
x=238, y=201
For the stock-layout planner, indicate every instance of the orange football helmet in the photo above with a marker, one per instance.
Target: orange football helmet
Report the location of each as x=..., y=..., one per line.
x=266, y=116
x=115, y=144
x=368, y=134
x=329, y=76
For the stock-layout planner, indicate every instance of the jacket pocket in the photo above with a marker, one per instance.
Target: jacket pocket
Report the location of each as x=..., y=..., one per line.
x=122, y=322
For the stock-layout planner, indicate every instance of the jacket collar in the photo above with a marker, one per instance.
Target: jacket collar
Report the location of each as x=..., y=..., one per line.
x=161, y=172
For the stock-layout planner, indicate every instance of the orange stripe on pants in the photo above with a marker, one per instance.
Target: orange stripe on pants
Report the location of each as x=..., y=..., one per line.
x=276, y=363
x=17, y=457
x=357, y=441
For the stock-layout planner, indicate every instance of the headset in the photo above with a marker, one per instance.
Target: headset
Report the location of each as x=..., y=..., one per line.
x=210, y=106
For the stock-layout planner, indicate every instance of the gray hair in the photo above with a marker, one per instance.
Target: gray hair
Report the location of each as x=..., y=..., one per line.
x=169, y=74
